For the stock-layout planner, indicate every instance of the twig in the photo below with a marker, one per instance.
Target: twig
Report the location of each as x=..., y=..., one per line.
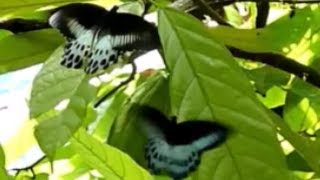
x=263, y=9
x=212, y=13
x=276, y=60
x=30, y=167
x=23, y=25
x=123, y=83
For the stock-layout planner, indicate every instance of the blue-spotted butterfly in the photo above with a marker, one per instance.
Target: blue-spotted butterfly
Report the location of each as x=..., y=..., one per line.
x=176, y=148
x=96, y=37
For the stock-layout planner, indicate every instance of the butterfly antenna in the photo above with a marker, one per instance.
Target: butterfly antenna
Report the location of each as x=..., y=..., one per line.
x=123, y=83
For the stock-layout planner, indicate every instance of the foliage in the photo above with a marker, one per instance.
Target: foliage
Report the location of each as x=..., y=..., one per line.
x=202, y=80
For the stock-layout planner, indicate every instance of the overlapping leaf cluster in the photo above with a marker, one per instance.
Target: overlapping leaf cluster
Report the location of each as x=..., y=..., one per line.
x=202, y=81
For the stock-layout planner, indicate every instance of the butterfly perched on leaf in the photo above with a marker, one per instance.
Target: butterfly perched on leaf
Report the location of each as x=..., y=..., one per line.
x=96, y=37
x=176, y=148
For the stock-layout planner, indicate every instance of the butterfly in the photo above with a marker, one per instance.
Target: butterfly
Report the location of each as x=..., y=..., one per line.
x=96, y=37
x=176, y=148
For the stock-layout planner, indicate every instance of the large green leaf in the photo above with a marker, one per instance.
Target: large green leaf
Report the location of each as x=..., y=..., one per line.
x=53, y=84
x=53, y=133
x=206, y=83
x=109, y=161
x=25, y=49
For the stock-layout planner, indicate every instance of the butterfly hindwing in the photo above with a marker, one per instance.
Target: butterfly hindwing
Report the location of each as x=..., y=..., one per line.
x=103, y=56
x=177, y=160
x=77, y=50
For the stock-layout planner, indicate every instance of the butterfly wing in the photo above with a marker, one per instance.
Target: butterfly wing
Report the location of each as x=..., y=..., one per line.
x=130, y=32
x=78, y=23
x=73, y=20
x=176, y=148
x=179, y=152
x=105, y=34
x=119, y=33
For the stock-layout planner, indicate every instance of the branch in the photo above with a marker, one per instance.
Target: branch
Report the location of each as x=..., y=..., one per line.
x=212, y=13
x=23, y=25
x=30, y=167
x=281, y=62
x=263, y=8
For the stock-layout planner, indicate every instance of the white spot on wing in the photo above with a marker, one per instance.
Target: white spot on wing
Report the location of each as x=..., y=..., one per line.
x=54, y=19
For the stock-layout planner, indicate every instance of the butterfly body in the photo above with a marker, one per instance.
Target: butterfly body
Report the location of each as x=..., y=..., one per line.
x=176, y=148
x=96, y=37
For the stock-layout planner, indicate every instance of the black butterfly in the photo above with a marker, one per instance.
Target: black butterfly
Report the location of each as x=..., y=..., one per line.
x=96, y=37
x=176, y=147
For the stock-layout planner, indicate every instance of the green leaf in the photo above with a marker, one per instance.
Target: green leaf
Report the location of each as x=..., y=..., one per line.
x=29, y=5
x=109, y=161
x=111, y=112
x=55, y=132
x=80, y=168
x=42, y=176
x=275, y=97
x=266, y=77
x=299, y=113
x=296, y=162
x=304, y=89
x=309, y=150
x=53, y=84
x=4, y=33
x=206, y=83
x=3, y=172
x=26, y=49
